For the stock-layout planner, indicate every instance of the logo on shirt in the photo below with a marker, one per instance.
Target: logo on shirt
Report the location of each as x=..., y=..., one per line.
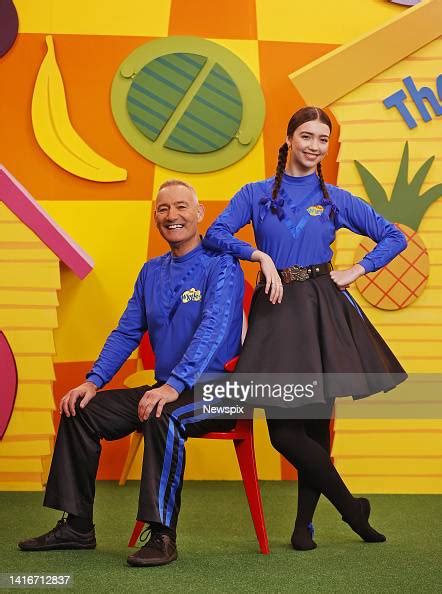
x=191, y=295
x=316, y=210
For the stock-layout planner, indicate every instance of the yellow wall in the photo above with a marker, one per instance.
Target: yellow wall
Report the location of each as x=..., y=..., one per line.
x=27, y=318
x=403, y=455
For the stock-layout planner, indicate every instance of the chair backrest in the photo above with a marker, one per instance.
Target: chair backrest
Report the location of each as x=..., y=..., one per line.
x=244, y=425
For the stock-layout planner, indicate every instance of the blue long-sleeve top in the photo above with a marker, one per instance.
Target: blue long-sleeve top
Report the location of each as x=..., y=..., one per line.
x=192, y=308
x=301, y=230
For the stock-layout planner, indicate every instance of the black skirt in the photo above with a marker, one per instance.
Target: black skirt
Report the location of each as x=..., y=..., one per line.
x=318, y=329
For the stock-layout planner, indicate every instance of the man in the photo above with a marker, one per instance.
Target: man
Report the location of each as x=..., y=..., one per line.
x=190, y=302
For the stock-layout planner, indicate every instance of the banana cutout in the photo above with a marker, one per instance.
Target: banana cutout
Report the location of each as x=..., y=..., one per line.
x=54, y=131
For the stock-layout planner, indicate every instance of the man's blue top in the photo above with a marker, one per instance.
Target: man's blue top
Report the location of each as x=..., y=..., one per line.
x=302, y=230
x=192, y=308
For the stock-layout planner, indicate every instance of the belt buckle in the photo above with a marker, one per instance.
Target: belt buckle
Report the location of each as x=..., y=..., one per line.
x=295, y=273
x=301, y=274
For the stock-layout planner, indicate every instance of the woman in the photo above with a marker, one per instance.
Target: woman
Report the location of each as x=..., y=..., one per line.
x=302, y=319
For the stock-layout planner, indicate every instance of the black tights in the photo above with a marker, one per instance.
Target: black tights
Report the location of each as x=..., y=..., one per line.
x=305, y=443
x=308, y=495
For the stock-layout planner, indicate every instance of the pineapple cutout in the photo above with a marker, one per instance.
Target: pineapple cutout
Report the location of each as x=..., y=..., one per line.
x=401, y=281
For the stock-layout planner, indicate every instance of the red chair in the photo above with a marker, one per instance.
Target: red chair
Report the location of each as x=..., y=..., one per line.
x=242, y=436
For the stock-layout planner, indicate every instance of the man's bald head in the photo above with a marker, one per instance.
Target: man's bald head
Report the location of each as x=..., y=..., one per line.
x=178, y=182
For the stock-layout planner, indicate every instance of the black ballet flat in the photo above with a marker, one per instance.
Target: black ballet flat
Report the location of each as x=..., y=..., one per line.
x=302, y=538
x=359, y=522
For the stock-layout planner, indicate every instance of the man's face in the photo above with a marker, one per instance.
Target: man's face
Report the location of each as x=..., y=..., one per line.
x=177, y=214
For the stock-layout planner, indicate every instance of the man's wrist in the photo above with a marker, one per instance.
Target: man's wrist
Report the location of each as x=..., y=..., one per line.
x=176, y=384
x=93, y=383
x=175, y=391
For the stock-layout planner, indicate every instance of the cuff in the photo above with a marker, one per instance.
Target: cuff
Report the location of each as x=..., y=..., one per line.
x=93, y=377
x=367, y=265
x=176, y=383
x=246, y=252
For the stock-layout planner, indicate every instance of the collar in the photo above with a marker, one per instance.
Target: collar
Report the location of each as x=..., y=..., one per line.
x=302, y=180
x=196, y=251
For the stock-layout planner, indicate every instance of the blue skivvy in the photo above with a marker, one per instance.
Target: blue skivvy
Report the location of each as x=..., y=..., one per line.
x=302, y=230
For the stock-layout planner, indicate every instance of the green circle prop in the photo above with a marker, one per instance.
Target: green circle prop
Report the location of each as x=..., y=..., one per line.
x=187, y=104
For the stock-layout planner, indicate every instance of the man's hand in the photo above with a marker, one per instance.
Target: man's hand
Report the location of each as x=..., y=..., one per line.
x=86, y=392
x=157, y=397
x=273, y=280
x=344, y=278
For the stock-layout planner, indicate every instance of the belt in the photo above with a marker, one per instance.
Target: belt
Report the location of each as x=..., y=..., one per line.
x=300, y=273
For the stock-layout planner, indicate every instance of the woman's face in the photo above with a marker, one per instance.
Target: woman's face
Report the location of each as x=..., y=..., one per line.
x=309, y=145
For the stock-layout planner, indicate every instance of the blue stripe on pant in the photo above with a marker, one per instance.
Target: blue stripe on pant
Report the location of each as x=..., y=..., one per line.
x=164, y=456
x=175, y=443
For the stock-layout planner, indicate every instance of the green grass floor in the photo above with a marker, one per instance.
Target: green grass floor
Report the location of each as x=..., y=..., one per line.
x=218, y=551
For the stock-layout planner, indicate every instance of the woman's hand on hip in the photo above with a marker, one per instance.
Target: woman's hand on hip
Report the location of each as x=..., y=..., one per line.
x=273, y=280
x=344, y=278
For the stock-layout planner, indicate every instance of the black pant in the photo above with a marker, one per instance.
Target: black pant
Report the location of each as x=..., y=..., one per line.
x=113, y=414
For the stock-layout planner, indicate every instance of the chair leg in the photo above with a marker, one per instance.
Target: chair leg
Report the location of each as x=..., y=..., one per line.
x=245, y=453
x=133, y=448
x=139, y=525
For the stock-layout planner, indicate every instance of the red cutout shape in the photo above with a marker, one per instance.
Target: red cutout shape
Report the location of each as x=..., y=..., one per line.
x=8, y=383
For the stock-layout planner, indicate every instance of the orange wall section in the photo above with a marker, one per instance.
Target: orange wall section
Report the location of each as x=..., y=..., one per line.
x=228, y=19
x=277, y=60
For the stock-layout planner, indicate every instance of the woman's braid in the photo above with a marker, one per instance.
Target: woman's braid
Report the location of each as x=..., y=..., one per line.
x=280, y=168
x=322, y=182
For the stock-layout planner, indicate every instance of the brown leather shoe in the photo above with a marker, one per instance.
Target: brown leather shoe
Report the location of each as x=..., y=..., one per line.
x=160, y=549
